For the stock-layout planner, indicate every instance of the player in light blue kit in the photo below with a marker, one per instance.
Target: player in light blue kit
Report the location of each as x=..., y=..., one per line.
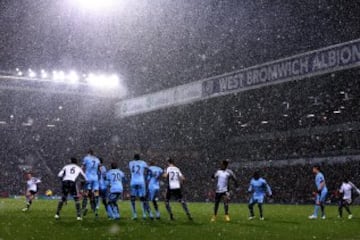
x=138, y=169
x=154, y=175
x=91, y=165
x=115, y=178
x=320, y=194
x=258, y=189
x=103, y=186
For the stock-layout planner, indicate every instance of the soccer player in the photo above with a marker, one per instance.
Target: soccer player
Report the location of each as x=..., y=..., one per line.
x=175, y=179
x=321, y=193
x=154, y=175
x=345, y=201
x=223, y=175
x=31, y=189
x=69, y=176
x=138, y=169
x=258, y=189
x=91, y=166
x=103, y=186
x=115, y=177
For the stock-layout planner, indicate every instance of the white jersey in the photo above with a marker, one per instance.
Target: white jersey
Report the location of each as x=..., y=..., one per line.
x=31, y=184
x=346, y=190
x=174, y=177
x=223, y=177
x=71, y=172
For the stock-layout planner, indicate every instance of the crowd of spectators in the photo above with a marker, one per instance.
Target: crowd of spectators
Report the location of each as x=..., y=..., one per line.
x=312, y=118
x=309, y=118
x=300, y=123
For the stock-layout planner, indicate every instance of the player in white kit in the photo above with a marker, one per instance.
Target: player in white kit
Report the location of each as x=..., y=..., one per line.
x=31, y=189
x=175, y=179
x=223, y=175
x=69, y=176
x=346, y=197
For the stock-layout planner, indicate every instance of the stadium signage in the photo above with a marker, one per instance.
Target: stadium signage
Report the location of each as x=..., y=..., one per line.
x=330, y=59
x=326, y=60
x=170, y=97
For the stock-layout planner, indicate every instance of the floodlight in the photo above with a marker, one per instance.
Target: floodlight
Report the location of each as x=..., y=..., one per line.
x=73, y=77
x=96, y=4
x=43, y=74
x=91, y=79
x=32, y=74
x=58, y=75
x=103, y=81
x=54, y=75
x=61, y=76
x=113, y=81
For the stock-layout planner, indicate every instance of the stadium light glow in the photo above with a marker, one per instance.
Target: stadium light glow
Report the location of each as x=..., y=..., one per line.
x=58, y=75
x=91, y=79
x=113, y=81
x=55, y=75
x=103, y=81
x=73, y=77
x=95, y=5
x=43, y=74
x=31, y=73
x=61, y=76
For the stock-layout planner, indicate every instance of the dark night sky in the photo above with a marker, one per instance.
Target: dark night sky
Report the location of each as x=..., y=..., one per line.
x=163, y=43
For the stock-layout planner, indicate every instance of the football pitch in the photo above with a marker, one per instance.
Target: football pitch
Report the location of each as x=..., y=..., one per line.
x=281, y=222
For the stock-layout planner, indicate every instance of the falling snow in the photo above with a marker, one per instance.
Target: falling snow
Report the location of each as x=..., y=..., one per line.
x=50, y=52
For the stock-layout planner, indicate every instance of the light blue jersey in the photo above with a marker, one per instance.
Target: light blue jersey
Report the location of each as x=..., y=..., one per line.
x=322, y=193
x=321, y=196
x=154, y=177
x=91, y=164
x=138, y=170
x=259, y=188
x=102, y=178
x=115, y=177
x=319, y=179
